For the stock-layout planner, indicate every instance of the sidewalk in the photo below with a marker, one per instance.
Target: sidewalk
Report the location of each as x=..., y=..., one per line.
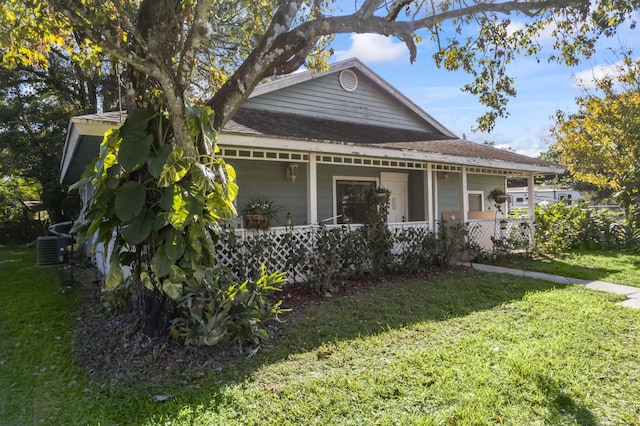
x=632, y=293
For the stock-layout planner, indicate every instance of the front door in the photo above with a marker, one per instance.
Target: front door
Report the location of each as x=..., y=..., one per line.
x=398, y=184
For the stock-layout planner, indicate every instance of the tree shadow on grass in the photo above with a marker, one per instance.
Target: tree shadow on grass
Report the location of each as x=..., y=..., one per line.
x=563, y=408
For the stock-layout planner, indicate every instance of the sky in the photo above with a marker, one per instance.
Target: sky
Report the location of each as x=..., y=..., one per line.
x=542, y=87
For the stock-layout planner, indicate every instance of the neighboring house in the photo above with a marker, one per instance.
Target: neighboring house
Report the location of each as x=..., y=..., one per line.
x=313, y=141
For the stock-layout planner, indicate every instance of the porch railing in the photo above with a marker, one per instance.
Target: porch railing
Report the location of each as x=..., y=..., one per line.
x=242, y=251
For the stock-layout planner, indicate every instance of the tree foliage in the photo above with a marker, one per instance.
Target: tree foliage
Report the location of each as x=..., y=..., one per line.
x=600, y=143
x=35, y=107
x=219, y=51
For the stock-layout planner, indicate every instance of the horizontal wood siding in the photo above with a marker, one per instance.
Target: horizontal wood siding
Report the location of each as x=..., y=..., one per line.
x=416, y=196
x=269, y=178
x=449, y=193
x=325, y=98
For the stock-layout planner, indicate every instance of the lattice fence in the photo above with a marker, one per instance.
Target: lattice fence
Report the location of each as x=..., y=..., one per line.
x=241, y=252
x=492, y=236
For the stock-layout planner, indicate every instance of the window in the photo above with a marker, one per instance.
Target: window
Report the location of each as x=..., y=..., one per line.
x=350, y=204
x=476, y=199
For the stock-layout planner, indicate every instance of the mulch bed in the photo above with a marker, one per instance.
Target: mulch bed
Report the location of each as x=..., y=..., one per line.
x=115, y=352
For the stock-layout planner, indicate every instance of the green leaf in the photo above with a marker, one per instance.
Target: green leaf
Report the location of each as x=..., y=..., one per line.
x=114, y=277
x=134, y=150
x=166, y=200
x=161, y=264
x=175, y=168
x=185, y=204
x=172, y=289
x=158, y=159
x=129, y=200
x=177, y=274
x=137, y=230
x=146, y=280
x=203, y=177
x=174, y=245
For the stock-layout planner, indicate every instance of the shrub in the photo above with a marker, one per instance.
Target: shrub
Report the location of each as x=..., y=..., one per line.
x=226, y=311
x=560, y=228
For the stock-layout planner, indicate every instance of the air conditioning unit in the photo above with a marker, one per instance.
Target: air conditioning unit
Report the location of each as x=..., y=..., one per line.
x=52, y=250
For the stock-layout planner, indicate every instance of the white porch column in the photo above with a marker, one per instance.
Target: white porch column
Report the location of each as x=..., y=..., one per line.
x=465, y=197
x=312, y=190
x=531, y=194
x=429, y=201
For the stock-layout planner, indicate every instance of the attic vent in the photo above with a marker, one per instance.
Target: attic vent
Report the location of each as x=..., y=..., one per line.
x=348, y=80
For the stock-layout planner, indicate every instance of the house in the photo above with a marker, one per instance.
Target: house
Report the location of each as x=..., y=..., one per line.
x=314, y=141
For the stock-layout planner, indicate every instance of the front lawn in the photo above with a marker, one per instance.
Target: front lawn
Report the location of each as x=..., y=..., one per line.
x=604, y=265
x=463, y=347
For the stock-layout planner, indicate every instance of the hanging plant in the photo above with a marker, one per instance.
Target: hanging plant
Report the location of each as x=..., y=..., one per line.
x=497, y=195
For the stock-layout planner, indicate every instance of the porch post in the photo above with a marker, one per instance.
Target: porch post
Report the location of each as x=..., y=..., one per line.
x=312, y=191
x=465, y=197
x=531, y=194
x=429, y=201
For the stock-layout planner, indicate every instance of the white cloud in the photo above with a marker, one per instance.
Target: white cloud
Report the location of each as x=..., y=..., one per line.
x=588, y=78
x=371, y=48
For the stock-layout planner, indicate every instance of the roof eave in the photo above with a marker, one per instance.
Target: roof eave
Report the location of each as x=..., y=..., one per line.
x=78, y=127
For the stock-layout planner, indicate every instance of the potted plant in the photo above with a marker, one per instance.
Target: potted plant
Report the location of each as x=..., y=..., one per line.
x=497, y=195
x=259, y=211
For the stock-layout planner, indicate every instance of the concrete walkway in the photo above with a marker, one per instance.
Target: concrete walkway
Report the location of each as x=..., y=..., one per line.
x=632, y=293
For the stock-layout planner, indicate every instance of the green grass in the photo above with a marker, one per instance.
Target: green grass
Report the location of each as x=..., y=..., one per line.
x=610, y=266
x=461, y=348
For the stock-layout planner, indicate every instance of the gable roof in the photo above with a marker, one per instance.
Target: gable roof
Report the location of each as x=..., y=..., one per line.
x=351, y=64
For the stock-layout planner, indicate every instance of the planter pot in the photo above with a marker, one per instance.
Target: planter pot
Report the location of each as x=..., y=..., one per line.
x=500, y=199
x=256, y=221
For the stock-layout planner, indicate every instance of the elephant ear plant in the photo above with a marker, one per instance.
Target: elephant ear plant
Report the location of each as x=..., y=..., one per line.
x=155, y=209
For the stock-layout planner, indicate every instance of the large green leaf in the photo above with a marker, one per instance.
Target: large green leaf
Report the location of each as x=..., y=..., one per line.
x=137, y=230
x=158, y=159
x=175, y=168
x=138, y=120
x=161, y=264
x=114, y=277
x=174, y=244
x=129, y=200
x=203, y=177
x=134, y=150
x=172, y=289
x=185, y=204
